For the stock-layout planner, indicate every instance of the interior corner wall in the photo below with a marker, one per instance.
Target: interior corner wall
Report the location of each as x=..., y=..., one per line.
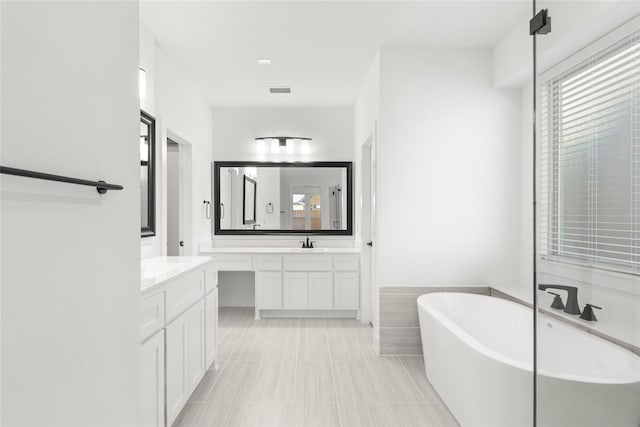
x=448, y=160
x=70, y=259
x=182, y=111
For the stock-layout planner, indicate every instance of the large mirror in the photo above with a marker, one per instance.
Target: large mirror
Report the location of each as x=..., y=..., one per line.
x=147, y=174
x=283, y=198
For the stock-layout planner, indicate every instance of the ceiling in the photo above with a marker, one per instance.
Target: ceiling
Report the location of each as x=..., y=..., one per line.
x=323, y=49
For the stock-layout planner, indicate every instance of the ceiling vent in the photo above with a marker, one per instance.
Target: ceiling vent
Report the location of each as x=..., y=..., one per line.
x=280, y=89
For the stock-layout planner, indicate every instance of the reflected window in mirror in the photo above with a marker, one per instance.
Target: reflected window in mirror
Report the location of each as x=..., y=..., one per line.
x=284, y=198
x=147, y=174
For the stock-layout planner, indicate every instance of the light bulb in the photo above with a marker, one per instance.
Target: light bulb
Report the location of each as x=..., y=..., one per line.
x=275, y=146
x=306, y=149
x=260, y=148
x=290, y=147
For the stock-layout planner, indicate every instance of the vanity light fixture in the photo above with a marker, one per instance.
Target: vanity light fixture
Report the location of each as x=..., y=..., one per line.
x=282, y=144
x=142, y=83
x=264, y=61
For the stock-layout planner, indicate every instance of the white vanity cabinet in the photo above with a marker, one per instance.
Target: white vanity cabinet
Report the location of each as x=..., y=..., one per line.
x=184, y=358
x=179, y=321
x=307, y=282
x=152, y=381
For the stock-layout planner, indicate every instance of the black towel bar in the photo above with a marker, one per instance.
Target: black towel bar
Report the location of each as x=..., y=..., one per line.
x=100, y=186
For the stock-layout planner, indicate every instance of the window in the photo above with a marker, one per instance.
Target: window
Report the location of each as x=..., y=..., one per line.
x=590, y=168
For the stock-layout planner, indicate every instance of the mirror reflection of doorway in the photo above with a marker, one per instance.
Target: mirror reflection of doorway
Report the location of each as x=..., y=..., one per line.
x=306, y=208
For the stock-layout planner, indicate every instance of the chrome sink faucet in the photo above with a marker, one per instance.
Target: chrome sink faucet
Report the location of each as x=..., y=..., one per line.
x=572, y=306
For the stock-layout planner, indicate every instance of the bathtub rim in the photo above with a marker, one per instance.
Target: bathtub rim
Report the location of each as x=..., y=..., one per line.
x=474, y=344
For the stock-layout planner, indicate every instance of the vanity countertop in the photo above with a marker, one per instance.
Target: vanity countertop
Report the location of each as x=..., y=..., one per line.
x=155, y=271
x=277, y=250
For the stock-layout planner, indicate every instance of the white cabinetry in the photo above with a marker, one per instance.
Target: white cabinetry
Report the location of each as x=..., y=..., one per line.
x=178, y=326
x=346, y=287
x=152, y=381
x=296, y=291
x=269, y=290
x=320, y=291
x=184, y=358
x=307, y=282
x=211, y=327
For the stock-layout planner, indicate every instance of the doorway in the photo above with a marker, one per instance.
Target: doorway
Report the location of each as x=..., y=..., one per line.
x=178, y=197
x=369, y=277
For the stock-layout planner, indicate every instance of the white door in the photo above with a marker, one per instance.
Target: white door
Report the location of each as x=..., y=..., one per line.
x=269, y=290
x=295, y=291
x=211, y=328
x=320, y=291
x=176, y=360
x=152, y=381
x=369, y=309
x=346, y=287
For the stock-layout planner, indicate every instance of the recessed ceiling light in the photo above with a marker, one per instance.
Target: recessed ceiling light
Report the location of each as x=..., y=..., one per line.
x=264, y=61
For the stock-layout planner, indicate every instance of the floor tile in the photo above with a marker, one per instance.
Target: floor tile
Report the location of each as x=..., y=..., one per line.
x=275, y=382
x=215, y=414
x=313, y=346
x=363, y=414
x=236, y=382
x=321, y=415
x=411, y=414
x=314, y=382
x=393, y=381
x=354, y=382
x=345, y=347
x=274, y=414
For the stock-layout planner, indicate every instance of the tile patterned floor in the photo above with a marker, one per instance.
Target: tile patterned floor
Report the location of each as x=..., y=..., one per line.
x=309, y=372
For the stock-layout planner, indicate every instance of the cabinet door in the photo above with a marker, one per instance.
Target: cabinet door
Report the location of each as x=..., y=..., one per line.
x=195, y=346
x=269, y=290
x=152, y=378
x=347, y=291
x=184, y=358
x=320, y=291
x=176, y=361
x=211, y=327
x=296, y=291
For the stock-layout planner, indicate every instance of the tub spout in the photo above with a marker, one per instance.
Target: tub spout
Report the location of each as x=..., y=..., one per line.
x=572, y=306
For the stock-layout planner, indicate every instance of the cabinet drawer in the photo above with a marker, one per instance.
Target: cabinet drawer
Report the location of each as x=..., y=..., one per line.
x=346, y=263
x=152, y=315
x=269, y=263
x=233, y=262
x=183, y=293
x=307, y=263
x=210, y=279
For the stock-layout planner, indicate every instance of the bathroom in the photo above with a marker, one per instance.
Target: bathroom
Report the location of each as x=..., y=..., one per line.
x=395, y=138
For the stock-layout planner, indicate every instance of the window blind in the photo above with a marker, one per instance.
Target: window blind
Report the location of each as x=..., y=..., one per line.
x=590, y=161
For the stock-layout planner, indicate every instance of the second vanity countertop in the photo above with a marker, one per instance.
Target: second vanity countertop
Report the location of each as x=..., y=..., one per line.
x=155, y=271
x=276, y=250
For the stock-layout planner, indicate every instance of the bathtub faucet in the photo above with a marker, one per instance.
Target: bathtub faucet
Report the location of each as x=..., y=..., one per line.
x=572, y=306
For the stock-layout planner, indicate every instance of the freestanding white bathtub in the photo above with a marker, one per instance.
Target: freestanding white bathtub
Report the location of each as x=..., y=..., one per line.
x=478, y=353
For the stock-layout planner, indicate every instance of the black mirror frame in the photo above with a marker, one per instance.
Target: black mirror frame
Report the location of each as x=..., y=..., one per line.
x=238, y=164
x=246, y=181
x=150, y=121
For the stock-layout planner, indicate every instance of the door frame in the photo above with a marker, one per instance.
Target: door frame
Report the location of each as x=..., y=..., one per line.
x=184, y=193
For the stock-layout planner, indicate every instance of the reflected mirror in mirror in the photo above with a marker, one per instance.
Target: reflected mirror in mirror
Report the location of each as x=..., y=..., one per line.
x=147, y=182
x=283, y=198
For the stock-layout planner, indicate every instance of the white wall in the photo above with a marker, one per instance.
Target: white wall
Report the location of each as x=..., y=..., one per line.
x=70, y=257
x=179, y=108
x=573, y=23
x=234, y=130
x=448, y=160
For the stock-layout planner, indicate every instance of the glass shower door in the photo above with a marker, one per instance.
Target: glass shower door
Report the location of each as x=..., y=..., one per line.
x=587, y=264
